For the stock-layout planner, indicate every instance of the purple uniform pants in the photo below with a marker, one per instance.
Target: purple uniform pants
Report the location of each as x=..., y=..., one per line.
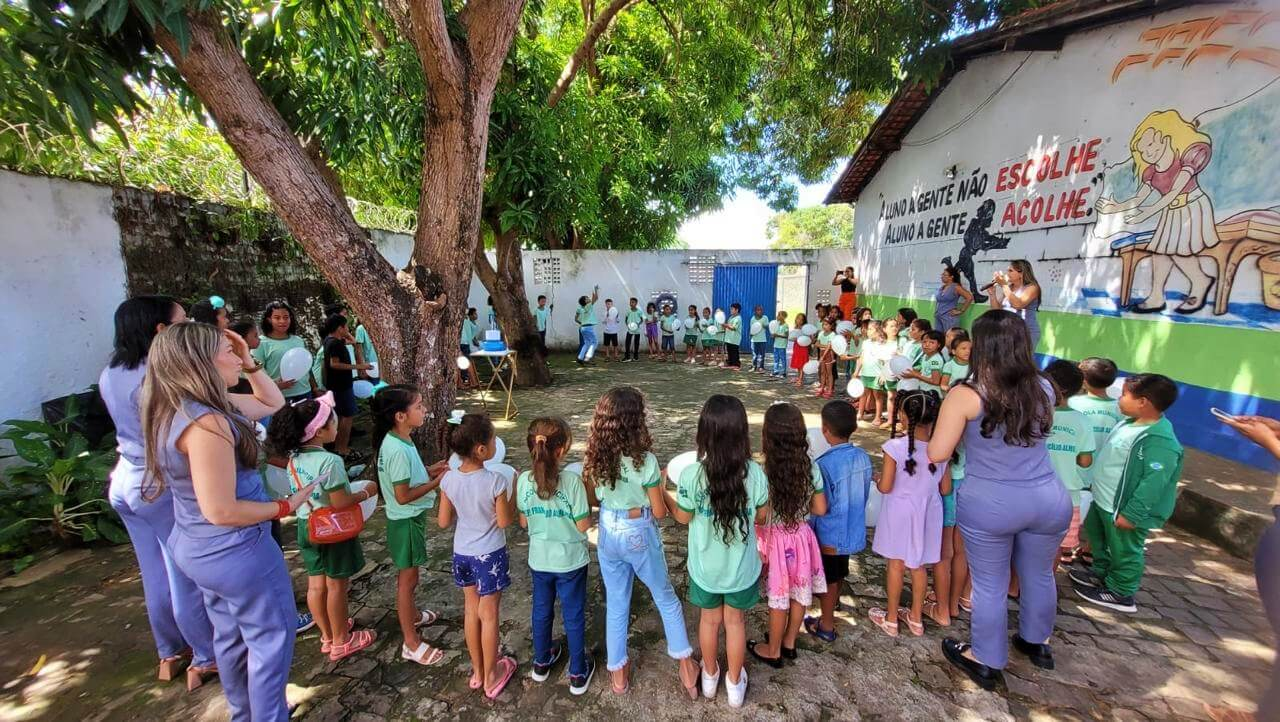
x=1005, y=523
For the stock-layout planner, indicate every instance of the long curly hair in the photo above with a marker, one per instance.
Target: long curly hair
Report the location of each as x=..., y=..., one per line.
x=618, y=429
x=787, y=464
x=724, y=448
x=1005, y=376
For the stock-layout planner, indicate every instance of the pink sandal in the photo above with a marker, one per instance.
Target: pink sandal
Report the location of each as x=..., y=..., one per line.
x=879, y=618
x=507, y=663
x=357, y=641
x=326, y=645
x=917, y=628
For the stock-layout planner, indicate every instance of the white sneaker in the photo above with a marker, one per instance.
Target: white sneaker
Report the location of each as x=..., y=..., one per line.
x=709, y=683
x=736, y=692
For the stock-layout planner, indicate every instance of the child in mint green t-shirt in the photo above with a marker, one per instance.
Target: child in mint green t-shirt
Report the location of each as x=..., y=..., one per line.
x=300, y=431
x=406, y=484
x=723, y=564
x=780, y=337
x=931, y=363
x=733, y=337
x=553, y=505
x=1071, y=446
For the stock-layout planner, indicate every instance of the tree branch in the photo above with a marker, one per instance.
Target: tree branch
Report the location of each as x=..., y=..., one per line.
x=490, y=26
x=429, y=34
x=585, y=49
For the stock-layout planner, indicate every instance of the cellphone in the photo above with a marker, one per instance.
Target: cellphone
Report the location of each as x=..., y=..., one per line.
x=1221, y=414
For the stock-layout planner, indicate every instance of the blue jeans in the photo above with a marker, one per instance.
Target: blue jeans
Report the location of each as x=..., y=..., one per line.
x=630, y=548
x=571, y=589
x=757, y=354
x=588, y=347
x=779, y=361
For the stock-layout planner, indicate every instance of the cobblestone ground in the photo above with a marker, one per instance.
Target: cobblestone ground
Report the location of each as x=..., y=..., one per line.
x=77, y=645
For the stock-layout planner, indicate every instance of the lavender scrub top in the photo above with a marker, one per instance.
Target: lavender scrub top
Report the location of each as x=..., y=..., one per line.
x=991, y=459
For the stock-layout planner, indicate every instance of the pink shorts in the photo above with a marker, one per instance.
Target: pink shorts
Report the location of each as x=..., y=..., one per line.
x=1072, y=539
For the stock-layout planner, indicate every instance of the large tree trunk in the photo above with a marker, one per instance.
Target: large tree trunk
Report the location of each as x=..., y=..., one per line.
x=308, y=198
x=511, y=305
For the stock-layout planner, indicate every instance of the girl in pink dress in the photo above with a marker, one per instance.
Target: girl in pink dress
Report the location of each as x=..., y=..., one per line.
x=788, y=548
x=909, y=530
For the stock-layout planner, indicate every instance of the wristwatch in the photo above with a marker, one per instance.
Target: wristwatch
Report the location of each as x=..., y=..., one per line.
x=255, y=368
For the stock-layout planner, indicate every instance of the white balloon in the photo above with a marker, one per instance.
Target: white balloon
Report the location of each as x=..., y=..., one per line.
x=720, y=317
x=675, y=324
x=1086, y=500
x=874, y=500
x=839, y=345
x=793, y=334
x=362, y=389
x=756, y=328
x=464, y=363
x=808, y=329
x=295, y=364
x=633, y=327
x=613, y=312
x=368, y=506
x=817, y=442
x=679, y=463
x=811, y=367
x=844, y=326
x=373, y=370
x=499, y=453
x=506, y=471
x=909, y=384
x=804, y=340
x=575, y=467
x=712, y=329
x=773, y=327
x=898, y=364
x=1116, y=389
x=856, y=388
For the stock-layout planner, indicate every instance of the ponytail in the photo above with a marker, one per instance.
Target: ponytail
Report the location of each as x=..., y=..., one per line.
x=547, y=437
x=388, y=402
x=288, y=426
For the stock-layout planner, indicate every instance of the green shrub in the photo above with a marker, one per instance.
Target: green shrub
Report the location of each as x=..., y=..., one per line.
x=57, y=492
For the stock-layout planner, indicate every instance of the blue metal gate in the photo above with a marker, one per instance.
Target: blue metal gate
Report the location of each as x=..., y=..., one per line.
x=748, y=285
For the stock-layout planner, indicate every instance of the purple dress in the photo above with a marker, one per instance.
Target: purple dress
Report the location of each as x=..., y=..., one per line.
x=910, y=523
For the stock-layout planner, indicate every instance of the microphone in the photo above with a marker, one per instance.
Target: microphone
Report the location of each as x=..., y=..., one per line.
x=988, y=287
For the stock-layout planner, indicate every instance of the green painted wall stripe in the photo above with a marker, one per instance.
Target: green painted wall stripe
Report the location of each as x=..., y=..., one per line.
x=1239, y=360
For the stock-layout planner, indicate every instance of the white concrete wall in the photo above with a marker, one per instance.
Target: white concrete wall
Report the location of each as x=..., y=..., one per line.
x=60, y=283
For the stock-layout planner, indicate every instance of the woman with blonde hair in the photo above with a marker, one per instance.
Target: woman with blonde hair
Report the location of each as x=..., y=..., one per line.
x=1168, y=154
x=202, y=448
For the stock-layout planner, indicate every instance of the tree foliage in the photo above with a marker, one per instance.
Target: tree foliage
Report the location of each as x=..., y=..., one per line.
x=812, y=227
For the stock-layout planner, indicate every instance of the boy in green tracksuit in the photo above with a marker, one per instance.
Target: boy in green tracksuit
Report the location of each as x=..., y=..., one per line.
x=1135, y=484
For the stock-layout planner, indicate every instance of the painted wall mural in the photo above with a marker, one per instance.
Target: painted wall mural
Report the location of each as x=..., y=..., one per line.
x=1145, y=187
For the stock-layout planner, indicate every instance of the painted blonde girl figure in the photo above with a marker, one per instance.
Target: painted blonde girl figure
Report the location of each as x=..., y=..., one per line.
x=1168, y=154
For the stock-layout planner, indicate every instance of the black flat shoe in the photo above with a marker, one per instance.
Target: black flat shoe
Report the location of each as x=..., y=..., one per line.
x=1139, y=308
x=775, y=662
x=1039, y=654
x=789, y=652
x=982, y=675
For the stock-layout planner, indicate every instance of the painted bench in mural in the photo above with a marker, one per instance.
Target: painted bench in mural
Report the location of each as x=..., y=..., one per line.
x=1252, y=233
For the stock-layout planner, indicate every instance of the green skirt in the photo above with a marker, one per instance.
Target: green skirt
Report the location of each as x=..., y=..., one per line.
x=335, y=561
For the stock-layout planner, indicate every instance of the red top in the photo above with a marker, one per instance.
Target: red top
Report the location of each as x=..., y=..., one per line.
x=1193, y=159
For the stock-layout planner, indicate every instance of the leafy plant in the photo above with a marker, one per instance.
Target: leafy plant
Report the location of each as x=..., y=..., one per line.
x=58, y=488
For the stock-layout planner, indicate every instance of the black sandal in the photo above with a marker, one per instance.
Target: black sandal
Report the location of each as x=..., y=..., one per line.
x=789, y=653
x=982, y=675
x=775, y=662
